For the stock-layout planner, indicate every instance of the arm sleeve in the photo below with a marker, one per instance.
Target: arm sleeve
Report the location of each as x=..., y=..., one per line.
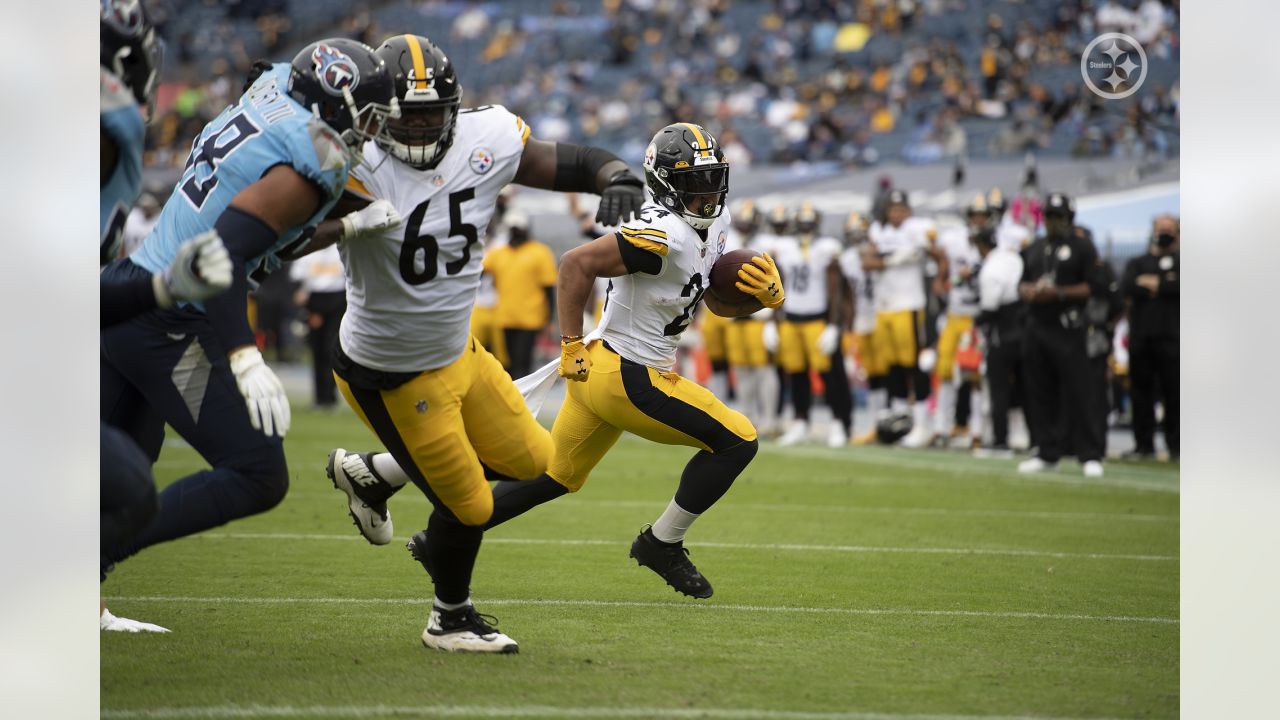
x=643, y=258
x=246, y=237
x=121, y=301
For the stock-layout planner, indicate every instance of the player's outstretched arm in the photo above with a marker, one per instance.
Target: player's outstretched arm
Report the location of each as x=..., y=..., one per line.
x=565, y=167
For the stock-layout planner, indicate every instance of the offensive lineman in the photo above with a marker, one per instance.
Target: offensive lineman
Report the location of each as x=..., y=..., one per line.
x=441, y=404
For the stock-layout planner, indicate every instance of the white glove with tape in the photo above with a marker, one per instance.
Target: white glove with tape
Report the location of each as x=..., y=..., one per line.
x=374, y=218
x=263, y=394
x=771, y=337
x=201, y=269
x=829, y=340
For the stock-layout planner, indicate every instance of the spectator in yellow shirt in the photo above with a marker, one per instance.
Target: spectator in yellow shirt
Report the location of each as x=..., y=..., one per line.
x=524, y=274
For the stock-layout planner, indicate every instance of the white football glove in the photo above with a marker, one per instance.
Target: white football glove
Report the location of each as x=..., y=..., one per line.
x=263, y=394
x=201, y=269
x=374, y=218
x=771, y=337
x=829, y=340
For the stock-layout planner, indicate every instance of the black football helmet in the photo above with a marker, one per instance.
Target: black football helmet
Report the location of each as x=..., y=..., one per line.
x=746, y=217
x=345, y=84
x=779, y=220
x=807, y=219
x=978, y=214
x=429, y=94
x=686, y=172
x=855, y=229
x=131, y=50
x=997, y=204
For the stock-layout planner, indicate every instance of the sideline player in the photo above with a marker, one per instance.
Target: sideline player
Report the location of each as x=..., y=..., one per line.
x=266, y=169
x=441, y=404
x=961, y=283
x=129, y=65
x=809, y=326
x=862, y=298
x=901, y=245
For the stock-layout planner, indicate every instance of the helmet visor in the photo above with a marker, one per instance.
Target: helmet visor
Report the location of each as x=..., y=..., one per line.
x=702, y=190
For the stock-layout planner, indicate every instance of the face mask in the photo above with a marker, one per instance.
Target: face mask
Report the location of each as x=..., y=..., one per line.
x=1165, y=240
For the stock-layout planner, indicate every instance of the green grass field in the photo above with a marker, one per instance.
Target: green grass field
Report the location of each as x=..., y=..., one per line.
x=865, y=583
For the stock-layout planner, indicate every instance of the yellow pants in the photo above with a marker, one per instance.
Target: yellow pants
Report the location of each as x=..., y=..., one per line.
x=949, y=342
x=485, y=328
x=714, y=328
x=744, y=343
x=798, y=346
x=441, y=424
x=873, y=362
x=659, y=406
x=899, y=336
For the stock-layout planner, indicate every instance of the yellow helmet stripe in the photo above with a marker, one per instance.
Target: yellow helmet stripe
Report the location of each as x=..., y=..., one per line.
x=419, y=64
x=702, y=141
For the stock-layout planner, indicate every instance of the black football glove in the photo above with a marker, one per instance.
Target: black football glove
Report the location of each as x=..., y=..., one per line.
x=622, y=197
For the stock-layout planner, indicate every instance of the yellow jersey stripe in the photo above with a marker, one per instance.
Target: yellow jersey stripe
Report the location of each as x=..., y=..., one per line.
x=646, y=244
x=419, y=64
x=357, y=187
x=647, y=231
x=702, y=141
x=524, y=136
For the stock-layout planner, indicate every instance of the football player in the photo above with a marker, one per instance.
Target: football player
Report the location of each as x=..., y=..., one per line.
x=621, y=376
x=130, y=64
x=266, y=169
x=755, y=380
x=441, y=404
x=961, y=286
x=809, y=325
x=901, y=245
x=863, y=310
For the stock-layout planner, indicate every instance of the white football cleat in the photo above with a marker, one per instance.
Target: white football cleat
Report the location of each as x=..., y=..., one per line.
x=918, y=437
x=1035, y=465
x=349, y=473
x=1093, y=469
x=836, y=437
x=798, y=432
x=465, y=630
x=111, y=623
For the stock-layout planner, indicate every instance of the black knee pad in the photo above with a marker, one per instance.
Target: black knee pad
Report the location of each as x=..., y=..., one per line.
x=269, y=474
x=743, y=453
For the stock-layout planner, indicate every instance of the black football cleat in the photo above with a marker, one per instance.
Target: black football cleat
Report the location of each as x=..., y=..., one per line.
x=671, y=562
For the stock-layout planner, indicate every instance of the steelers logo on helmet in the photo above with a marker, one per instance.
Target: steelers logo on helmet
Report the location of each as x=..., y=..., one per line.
x=685, y=170
x=335, y=69
x=430, y=97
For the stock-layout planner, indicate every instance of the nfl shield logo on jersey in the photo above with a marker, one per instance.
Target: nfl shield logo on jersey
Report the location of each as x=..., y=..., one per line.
x=481, y=160
x=335, y=70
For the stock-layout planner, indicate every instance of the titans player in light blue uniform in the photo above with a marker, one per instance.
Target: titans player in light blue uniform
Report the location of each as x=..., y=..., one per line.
x=260, y=174
x=130, y=64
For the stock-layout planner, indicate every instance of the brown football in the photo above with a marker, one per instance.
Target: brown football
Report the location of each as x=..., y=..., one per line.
x=725, y=273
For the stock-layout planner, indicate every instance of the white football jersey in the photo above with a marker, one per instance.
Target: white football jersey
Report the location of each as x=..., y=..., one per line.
x=410, y=291
x=962, y=256
x=864, y=301
x=901, y=285
x=803, y=263
x=644, y=314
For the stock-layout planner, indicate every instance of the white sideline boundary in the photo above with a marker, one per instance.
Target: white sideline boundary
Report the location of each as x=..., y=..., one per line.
x=523, y=711
x=527, y=711
x=736, y=546
x=692, y=607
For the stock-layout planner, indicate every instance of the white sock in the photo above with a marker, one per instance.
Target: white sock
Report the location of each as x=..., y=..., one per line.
x=919, y=415
x=877, y=399
x=945, y=412
x=673, y=523
x=388, y=469
x=452, y=606
x=767, y=387
x=899, y=405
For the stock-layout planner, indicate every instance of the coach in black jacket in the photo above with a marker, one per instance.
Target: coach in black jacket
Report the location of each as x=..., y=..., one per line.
x=1151, y=285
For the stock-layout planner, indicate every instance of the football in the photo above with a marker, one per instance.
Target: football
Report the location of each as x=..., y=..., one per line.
x=725, y=273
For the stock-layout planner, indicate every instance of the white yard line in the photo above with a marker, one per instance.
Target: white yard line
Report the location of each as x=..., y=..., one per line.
x=685, y=606
x=736, y=546
x=523, y=711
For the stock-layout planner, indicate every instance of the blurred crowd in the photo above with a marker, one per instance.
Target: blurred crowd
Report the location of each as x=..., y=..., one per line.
x=785, y=80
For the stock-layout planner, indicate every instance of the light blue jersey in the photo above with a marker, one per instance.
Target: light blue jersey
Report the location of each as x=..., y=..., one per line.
x=264, y=129
x=122, y=121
